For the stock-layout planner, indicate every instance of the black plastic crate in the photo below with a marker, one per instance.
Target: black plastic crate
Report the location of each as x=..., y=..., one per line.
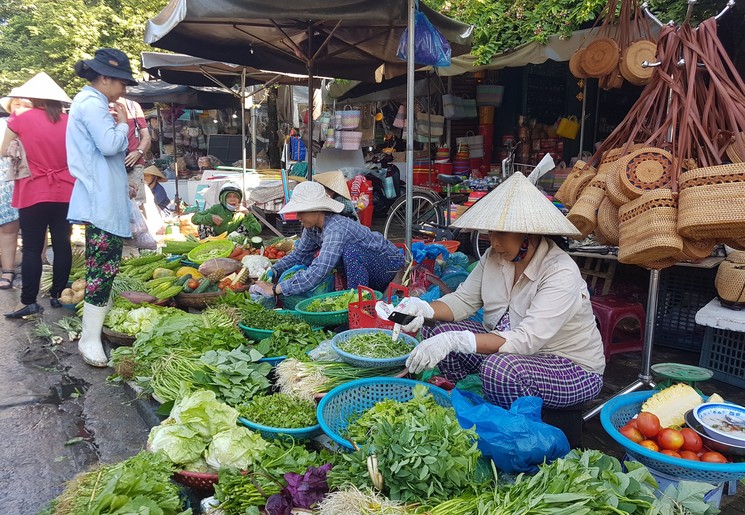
x=288, y=227
x=723, y=353
x=683, y=291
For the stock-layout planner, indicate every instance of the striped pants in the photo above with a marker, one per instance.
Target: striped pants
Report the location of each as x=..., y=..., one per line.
x=557, y=380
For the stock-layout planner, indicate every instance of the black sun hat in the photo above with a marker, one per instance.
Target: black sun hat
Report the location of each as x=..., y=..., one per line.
x=108, y=62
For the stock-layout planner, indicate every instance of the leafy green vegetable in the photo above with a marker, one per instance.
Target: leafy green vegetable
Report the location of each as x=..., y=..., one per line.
x=293, y=340
x=237, y=447
x=257, y=316
x=182, y=443
x=375, y=345
x=138, y=485
x=204, y=413
x=280, y=410
x=335, y=302
x=172, y=374
x=132, y=322
x=235, y=376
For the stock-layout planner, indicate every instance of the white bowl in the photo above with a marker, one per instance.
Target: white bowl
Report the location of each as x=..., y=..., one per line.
x=723, y=422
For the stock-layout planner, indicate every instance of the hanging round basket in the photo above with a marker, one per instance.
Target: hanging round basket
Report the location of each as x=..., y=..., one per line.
x=632, y=58
x=575, y=64
x=584, y=213
x=697, y=250
x=575, y=182
x=648, y=230
x=644, y=170
x=613, y=189
x=613, y=80
x=607, y=227
x=600, y=57
x=712, y=203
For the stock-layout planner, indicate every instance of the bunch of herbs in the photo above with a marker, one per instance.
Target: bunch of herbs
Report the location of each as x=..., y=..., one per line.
x=235, y=376
x=375, y=345
x=280, y=410
x=292, y=340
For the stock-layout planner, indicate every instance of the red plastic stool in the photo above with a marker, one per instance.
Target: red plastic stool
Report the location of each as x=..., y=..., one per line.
x=609, y=311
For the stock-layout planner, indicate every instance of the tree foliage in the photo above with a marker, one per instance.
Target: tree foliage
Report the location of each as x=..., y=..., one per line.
x=51, y=35
x=501, y=25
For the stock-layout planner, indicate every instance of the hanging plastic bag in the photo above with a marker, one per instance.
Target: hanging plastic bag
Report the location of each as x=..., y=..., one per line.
x=141, y=237
x=516, y=440
x=430, y=47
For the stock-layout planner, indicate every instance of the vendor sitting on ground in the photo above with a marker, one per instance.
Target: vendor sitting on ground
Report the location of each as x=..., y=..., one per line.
x=228, y=215
x=539, y=335
x=368, y=258
x=153, y=178
x=337, y=189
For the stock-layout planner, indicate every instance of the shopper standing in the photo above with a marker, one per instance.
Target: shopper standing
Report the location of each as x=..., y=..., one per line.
x=96, y=150
x=42, y=199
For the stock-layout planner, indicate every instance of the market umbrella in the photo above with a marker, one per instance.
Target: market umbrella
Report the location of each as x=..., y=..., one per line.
x=334, y=38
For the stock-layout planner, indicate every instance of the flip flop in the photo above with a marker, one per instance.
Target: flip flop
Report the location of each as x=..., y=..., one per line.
x=5, y=283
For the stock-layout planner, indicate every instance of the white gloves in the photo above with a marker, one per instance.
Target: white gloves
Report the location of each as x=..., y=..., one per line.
x=255, y=290
x=417, y=307
x=431, y=351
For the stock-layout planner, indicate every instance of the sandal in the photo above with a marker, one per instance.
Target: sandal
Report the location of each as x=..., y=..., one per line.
x=5, y=283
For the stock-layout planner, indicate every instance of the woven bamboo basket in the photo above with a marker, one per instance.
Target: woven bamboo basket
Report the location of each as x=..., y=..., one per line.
x=608, y=226
x=613, y=189
x=736, y=257
x=633, y=57
x=613, y=80
x=697, y=250
x=648, y=229
x=117, y=338
x=584, y=213
x=575, y=182
x=644, y=170
x=730, y=283
x=197, y=300
x=735, y=243
x=600, y=57
x=575, y=64
x=712, y=202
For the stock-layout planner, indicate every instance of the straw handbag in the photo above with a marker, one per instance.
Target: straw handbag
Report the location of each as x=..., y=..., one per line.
x=584, y=213
x=608, y=226
x=429, y=124
x=648, y=229
x=645, y=169
x=489, y=95
x=613, y=187
x=574, y=183
x=575, y=65
x=600, y=57
x=712, y=202
x=697, y=250
x=632, y=58
x=730, y=281
x=350, y=118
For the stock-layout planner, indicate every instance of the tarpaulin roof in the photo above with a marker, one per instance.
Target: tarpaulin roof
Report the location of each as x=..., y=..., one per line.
x=350, y=39
x=149, y=92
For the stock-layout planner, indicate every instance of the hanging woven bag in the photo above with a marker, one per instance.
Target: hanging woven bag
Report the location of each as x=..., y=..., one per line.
x=648, y=229
x=607, y=228
x=574, y=183
x=644, y=170
x=584, y=213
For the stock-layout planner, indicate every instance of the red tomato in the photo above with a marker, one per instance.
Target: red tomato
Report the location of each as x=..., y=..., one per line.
x=281, y=254
x=713, y=457
x=632, y=423
x=671, y=439
x=650, y=444
x=691, y=440
x=193, y=284
x=631, y=433
x=688, y=455
x=670, y=452
x=648, y=424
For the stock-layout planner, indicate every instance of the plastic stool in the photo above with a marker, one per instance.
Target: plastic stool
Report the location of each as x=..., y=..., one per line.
x=609, y=311
x=680, y=373
x=569, y=420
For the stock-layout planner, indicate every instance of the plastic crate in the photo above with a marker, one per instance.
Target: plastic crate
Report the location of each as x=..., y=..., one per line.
x=683, y=291
x=288, y=227
x=723, y=353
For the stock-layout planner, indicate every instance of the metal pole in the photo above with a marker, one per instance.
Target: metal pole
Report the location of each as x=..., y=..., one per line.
x=309, y=149
x=410, y=122
x=449, y=128
x=243, y=132
x=177, y=199
x=253, y=128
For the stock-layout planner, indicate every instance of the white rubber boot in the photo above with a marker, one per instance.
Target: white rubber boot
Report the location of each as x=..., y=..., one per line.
x=90, y=345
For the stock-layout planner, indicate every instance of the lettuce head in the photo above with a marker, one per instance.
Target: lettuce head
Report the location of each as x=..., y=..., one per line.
x=238, y=447
x=202, y=411
x=180, y=442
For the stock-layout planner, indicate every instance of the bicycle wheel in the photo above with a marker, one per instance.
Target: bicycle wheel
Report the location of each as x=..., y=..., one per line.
x=479, y=243
x=426, y=205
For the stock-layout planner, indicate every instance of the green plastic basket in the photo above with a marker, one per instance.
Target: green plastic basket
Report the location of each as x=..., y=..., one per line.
x=326, y=318
x=260, y=334
x=210, y=250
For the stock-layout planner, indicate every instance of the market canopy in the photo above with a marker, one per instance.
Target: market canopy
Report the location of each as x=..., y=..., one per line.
x=150, y=92
x=197, y=71
x=331, y=38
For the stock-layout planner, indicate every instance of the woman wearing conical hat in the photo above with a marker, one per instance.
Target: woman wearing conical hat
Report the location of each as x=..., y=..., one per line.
x=337, y=189
x=539, y=335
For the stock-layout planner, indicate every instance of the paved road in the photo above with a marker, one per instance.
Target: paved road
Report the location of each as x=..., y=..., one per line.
x=58, y=416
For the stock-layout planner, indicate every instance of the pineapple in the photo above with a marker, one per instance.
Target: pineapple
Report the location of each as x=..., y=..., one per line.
x=671, y=404
x=217, y=276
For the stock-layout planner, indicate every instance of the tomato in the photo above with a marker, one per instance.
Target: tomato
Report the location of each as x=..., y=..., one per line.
x=270, y=255
x=691, y=440
x=281, y=254
x=671, y=439
x=193, y=284
x=670, y=452
x=713, y=457
x=631, y=433
x=632, y=423
x=650, y=444
x=648, y=424
x=688, y=455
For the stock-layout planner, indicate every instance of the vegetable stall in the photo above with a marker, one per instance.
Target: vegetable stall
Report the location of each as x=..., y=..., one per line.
x=268, y=410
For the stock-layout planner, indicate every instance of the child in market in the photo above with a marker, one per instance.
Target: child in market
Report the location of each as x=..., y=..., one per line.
x=228, y=215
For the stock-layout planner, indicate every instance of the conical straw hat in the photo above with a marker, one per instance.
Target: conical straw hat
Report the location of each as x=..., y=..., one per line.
x=41, y=86
x=516, y=206
x=334, y=181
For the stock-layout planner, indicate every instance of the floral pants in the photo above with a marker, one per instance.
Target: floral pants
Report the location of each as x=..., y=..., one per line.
x=103, y=253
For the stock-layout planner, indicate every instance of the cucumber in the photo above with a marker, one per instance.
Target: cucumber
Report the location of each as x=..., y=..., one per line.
x=203, y=285
x=257, y=242
x=183, y=280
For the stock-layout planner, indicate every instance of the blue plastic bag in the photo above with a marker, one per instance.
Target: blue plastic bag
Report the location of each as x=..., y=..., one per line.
x=430, y=47
x=421, y=251
x=516, y=440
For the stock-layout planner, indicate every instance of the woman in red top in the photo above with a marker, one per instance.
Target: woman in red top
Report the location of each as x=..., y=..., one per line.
x=42, y=199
